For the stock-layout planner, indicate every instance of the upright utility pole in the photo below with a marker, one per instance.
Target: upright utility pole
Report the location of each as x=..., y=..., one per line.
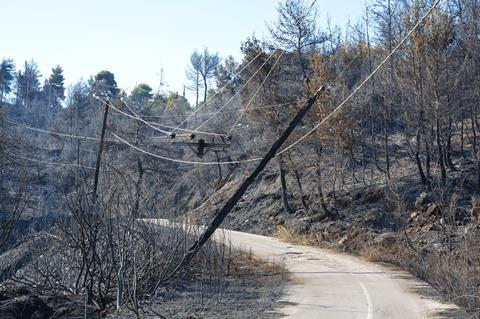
x=100, y=151
x=217, y=221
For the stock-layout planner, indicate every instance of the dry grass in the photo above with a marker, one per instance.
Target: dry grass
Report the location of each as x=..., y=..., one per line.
x=455, y=273
x=284, y=233
x=373, y=254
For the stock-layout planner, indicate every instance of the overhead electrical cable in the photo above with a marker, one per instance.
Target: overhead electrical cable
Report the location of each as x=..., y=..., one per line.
x=179, y=160
x=79, y=137
x=105, y=103
x=50, y=163
x=252, y=98
x=195, y=131
x=218, y=92
x=238, y=92
x=212, y=97
x=340, y=106
x=24, y=126
x=208, y=114
x=245, y=109
x=152, y=125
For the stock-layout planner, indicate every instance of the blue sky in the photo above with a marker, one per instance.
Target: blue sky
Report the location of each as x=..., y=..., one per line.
x=134, y=39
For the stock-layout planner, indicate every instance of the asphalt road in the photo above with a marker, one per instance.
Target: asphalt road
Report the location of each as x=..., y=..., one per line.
x=326, y=284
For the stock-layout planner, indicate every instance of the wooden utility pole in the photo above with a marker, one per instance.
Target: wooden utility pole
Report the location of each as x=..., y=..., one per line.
x=100, y=151
x=227, y=208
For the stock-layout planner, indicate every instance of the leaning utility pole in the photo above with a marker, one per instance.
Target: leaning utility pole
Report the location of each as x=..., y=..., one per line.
x=100, y=151
x=217, y=221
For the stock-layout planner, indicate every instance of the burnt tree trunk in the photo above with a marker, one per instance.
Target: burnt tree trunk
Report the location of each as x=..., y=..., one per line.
x=448, y=150
x=326, y=212
x=300, y=187
x=417, y=159
x=440, y=148
x=283, y=186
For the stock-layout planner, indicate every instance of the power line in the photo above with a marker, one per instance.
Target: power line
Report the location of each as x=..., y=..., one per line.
x=24, y=126
x=63, y=147
x=83, y=166
x=272, y=105
x=218, y=92
x=255, y=94
x=182, y=161
x=289, y=103
x=247, y=126
x=366, y=79
x=153, y=124
x=105, y=103
x=140, y=119
x=316, y=126
x=251, y=100
x=238, y=92
x=293, y=102
x=55, y=133
x=208, y=114
x=284, y=150
x=79, y=137
x=50, y=163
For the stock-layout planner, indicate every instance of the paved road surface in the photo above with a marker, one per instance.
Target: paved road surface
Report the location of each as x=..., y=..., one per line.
x=325, y=284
